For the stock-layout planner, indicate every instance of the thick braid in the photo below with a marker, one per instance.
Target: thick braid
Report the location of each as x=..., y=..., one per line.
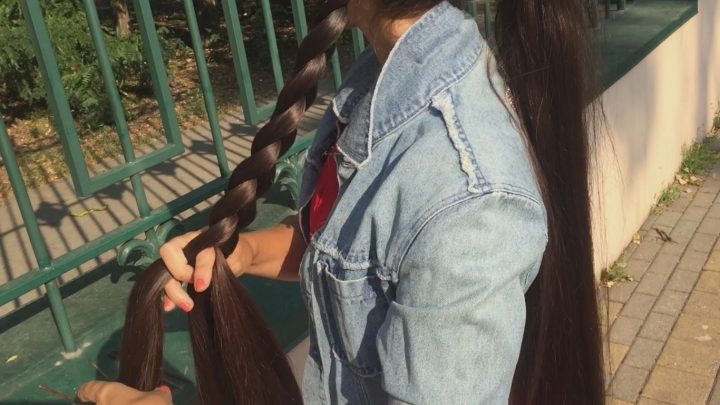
x=237, y=359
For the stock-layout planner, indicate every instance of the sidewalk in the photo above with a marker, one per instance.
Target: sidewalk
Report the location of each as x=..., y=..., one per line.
x=664, y=338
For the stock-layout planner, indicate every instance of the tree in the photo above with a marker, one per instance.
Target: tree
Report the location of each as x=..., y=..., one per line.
x=123, y=16
x=209, y=16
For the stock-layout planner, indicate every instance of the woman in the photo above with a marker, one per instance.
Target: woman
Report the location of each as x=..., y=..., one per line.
x=443, y=241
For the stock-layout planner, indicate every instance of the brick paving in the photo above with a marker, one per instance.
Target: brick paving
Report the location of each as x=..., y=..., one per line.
x=663, y=345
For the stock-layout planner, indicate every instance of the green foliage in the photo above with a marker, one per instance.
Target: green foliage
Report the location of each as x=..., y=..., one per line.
x=667, y=196
x=22, y=88
x=614, y=274
x=16, y=78
x=697, y=159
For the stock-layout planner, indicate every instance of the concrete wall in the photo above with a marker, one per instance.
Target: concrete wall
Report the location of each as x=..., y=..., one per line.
x=663, y=103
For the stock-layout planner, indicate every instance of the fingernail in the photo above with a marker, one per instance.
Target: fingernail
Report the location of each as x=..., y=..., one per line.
x=186, y=306
x=166, y=304
x=199, y=285
x=164, y=388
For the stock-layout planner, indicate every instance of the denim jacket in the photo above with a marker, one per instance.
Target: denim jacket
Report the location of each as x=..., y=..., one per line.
x=415, y=285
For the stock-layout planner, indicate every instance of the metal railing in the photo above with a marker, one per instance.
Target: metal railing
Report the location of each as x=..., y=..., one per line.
x=154, y=224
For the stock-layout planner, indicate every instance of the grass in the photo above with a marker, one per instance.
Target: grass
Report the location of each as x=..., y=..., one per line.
x=697, y=160
x=614, y=274
x=668, y=195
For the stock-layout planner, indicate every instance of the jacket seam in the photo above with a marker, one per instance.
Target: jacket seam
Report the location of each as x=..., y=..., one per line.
x=436, y=213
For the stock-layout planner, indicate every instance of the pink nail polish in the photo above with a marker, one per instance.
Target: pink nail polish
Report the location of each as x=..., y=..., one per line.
x=186, y=306
x=199, y=285
x=164, y=388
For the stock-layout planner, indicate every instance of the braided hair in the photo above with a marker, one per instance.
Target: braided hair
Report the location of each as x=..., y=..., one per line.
x=237, y=358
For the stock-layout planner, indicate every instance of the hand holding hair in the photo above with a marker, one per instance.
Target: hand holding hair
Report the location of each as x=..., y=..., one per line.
x=113, y=393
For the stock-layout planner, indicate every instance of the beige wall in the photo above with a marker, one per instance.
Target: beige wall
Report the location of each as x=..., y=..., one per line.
x=663, y=103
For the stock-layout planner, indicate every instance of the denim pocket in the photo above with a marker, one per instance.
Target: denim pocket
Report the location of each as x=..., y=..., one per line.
x=356, y=309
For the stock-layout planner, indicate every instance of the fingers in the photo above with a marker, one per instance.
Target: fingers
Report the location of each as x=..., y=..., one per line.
x=167, y=304
x=107, y=393
x=163, y=394
x=90, y=391
x=104, y=392
x=203, y=269
x=174, y=258
x=176, y=294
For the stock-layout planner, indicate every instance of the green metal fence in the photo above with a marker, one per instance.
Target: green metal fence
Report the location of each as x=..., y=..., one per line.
x=154, y=224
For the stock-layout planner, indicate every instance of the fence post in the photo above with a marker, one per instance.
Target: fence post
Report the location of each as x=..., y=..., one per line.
x=36, y=241
x=487, y=12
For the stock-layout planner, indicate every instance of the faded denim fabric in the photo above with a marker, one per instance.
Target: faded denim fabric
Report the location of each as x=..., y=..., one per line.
x=415, y=285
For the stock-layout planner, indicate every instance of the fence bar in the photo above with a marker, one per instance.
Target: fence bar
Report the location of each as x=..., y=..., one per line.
x=272, y=44
x=70, y=260
x=115, y=103
x=487, y=12
x=336, y=72
x=36, y=241
x=160, y=82
x=472, y=8
x=56, y=97
x=300, y=20
x=62, y=117
x=206, y=87
x=621, y=4
x=358, y=41
x=60, y=316
x=240, y=62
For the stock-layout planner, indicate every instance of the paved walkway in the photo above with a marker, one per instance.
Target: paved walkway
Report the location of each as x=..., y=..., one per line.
x=664, y=338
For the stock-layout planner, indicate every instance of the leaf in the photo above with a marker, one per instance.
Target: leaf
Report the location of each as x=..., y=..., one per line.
x=87, y=211
x=663, y=235
x=681, y=179
x=636, y=238
x=11, y=358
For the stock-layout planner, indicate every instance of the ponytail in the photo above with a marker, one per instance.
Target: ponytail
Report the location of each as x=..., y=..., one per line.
x=545, y=61
x=237, y=358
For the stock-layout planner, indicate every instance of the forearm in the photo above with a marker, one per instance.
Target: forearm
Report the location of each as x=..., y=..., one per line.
x=273, y=252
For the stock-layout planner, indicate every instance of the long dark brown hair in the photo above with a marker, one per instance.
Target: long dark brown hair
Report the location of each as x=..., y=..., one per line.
x=543, y=52
x=543, y=56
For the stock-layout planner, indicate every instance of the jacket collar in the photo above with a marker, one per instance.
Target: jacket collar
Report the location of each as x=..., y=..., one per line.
x=435, y=52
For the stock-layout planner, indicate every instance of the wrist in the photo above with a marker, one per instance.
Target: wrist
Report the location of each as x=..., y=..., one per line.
x=241, y=258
